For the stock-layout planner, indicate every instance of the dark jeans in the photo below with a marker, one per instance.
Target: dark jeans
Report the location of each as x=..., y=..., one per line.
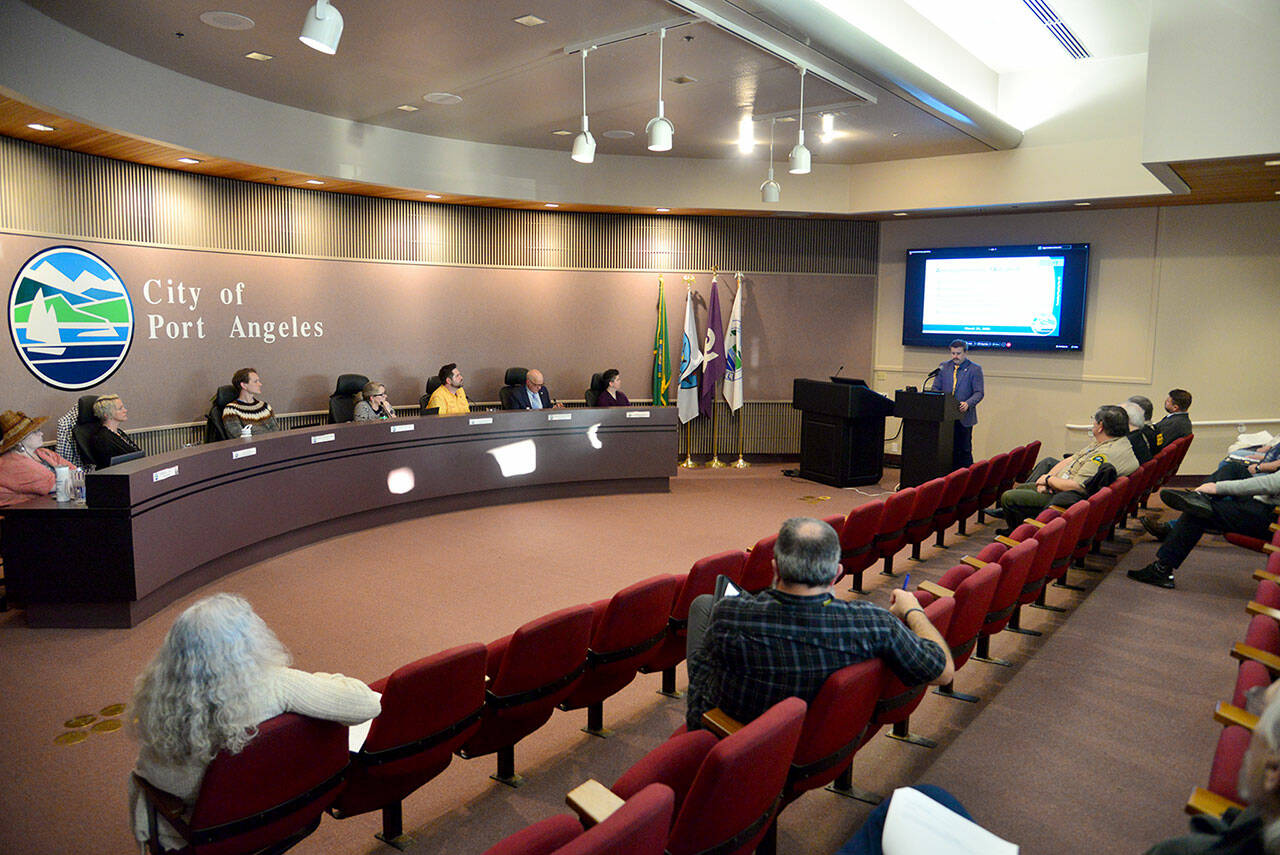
x=1230, y=470
x=962, y=446
x=1237, y=514
x=866, y=840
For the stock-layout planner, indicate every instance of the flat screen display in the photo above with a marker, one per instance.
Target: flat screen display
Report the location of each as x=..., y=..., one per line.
x=1024, y=297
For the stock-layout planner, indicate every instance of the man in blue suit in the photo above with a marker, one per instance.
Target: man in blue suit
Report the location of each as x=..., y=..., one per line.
x=962, y=377
x=532, y=394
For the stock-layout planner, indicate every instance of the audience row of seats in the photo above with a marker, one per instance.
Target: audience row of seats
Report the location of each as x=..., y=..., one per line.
x=1259, y=658
x=475, y=700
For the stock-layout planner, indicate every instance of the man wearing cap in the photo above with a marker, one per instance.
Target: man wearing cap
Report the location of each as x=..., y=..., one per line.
x=26, y=469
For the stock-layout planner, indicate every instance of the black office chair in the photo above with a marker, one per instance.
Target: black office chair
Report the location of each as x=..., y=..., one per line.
x=214, y=429
x=593, y=391
x=86, y=421
x=433, y=383
x=514, y=379
x=342, y=403
x=85, y=417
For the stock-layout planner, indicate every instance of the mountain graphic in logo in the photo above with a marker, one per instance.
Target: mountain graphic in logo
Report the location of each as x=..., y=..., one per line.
x=70, y=318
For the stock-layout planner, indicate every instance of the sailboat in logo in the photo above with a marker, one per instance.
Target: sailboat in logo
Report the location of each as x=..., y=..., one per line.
x=42, y=328
x=70, y=318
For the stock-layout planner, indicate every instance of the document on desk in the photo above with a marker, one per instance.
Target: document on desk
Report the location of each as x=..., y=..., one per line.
x=916, y=823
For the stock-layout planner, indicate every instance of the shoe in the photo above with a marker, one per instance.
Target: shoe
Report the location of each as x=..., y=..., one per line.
x=995, y=512
x=1188, y=502
x=1155, y=527
x=1154, y=573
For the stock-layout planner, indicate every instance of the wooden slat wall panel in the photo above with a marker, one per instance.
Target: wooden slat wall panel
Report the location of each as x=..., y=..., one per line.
x=68, y=194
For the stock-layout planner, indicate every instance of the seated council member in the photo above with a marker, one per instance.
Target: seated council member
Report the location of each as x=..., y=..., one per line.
x=248, y=410
x=219, y=673
x=449, y=396
x=108, y=439
x=533, y=394
x=26, y=469
x=373, y=404
x=611, y=394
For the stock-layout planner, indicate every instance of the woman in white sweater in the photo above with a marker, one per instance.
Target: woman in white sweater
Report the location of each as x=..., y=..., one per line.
x=220, y=672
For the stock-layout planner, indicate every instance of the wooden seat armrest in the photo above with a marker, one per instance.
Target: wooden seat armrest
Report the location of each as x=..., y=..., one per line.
x=166, y=804
x=1228, y=714
x=1264, y=576
x=593, y=802
x=1201, y=801
x=1059, y=508
x=1007, y=541
x=1256, y=608
x=1270, y=547
x=973, y=562
x=1036, y=523
x=1244, y=652
x=1274, y=527
x=935, y=589
x=719, y=723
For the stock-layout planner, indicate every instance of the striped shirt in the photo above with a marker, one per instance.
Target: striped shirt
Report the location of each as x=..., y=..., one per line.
x=762, y=648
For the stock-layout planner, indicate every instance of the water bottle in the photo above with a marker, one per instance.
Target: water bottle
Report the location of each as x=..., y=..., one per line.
x=246, y=432
x=77, y=481
x=62, y=477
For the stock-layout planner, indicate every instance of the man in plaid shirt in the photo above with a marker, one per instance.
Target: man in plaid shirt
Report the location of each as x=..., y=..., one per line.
x=758, y=649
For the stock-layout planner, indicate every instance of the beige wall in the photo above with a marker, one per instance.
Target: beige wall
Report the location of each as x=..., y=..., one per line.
x=399, y=322
x=1181, y=296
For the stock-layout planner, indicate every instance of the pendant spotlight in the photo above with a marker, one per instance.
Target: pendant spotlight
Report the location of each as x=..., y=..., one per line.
x=584, y=145
x=770, y=190
x=660, y=128
x=800, y=154
x=322, y=28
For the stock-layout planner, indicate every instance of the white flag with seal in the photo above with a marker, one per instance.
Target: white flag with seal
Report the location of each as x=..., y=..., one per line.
x=690, y=359
x=733, y=353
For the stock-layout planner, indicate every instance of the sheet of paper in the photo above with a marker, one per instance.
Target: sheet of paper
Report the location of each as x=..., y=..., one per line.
x=916, y=823
x=356, y=735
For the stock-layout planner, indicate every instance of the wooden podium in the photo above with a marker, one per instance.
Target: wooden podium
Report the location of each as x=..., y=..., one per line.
x=928, y=434
x=841, y=432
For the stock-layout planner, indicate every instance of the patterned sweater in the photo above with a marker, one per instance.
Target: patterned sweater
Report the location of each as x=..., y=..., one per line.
x=258, y=416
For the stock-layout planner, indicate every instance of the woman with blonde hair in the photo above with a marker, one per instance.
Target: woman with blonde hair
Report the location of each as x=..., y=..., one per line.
x=220, y=672
x=373, y=404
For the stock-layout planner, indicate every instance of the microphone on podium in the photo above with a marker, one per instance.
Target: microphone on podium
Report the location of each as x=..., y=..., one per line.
x=838, y=370
x=934, y=373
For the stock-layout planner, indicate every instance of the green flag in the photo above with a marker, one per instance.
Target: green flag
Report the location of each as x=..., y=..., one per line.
x=661, y=353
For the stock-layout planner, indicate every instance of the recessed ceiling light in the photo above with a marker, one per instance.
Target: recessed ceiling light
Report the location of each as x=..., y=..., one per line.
x=227, y=20
x=188, y=160
x=683, y=79
x=561, y=132
x=619, y=134
x=434, y=196
x=664, y=210
x=899, y=213
x=40, y=126
x=259, y=56
x=1272, y=163
x=443, y=98
x=1083, y=204
x=314, y=181
x=782, y=119
x=529, y=20
x=551, y=205
x=408, y=108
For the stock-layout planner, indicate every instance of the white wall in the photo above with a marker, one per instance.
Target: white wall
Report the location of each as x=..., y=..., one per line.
x=1213, y=67
x=1178, y=297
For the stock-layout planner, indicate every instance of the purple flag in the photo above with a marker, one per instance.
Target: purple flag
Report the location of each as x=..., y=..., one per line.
x=712, y=354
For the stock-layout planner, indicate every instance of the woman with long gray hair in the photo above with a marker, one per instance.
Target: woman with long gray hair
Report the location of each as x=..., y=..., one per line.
x=220, y=672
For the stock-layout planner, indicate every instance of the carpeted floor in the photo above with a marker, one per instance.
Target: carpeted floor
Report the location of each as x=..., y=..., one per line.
x=1089, y=743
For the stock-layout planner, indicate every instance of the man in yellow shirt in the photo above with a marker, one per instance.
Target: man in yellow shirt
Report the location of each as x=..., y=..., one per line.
x=449, y=396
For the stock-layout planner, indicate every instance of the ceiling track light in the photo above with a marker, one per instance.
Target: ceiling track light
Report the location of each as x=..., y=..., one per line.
x=322, y=28
x=584, y=145
x=800, y=154
x=660, y=128
x=770, y=190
